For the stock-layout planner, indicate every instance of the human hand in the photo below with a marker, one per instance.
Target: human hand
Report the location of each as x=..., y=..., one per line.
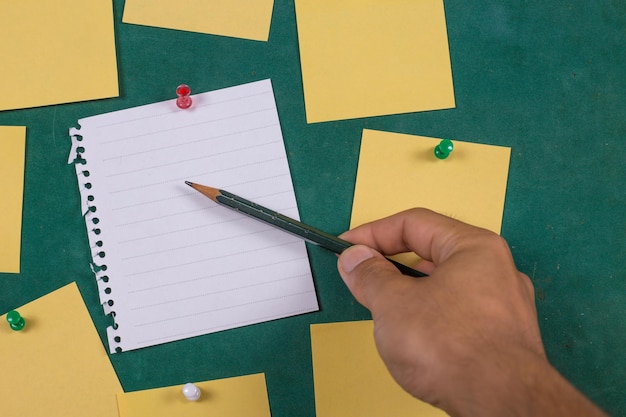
x=466, y=338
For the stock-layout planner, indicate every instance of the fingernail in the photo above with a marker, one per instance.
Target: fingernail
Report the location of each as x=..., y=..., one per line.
x=353, y=256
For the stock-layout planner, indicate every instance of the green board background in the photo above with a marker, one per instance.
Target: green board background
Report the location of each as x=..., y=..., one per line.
x=547, y=79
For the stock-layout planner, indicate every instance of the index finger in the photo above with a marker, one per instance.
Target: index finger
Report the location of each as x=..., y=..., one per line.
x=430, y=235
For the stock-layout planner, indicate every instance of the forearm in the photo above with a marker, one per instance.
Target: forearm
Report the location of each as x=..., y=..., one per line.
x=536, y=389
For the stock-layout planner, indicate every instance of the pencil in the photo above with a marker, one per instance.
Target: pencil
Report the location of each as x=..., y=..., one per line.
x=287, y=224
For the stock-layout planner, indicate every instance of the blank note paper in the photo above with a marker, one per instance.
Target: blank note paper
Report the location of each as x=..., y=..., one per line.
x=173, y=264
x=56, y=52
x=350, y=378
x=247, y=19
x=398, y=172
x=364, y=58
x=56, y=365
x=244, y=396
x=12, y=148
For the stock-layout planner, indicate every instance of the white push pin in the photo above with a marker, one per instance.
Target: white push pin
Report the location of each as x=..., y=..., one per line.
x=191, y=392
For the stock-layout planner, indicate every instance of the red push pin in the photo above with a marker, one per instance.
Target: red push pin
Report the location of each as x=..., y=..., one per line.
x=183, y=101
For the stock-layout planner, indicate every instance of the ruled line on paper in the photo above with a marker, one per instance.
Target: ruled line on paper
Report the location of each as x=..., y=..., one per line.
x=188, y=160
x=187, y=196
x=230, y=307
x=202, y=225
x=158, y=200
x=200, y=140
x=228, y=290
x=202, y=243
x=229, y=325
x=171, y=232
x=195, y=193
x=180, y=213
x=169, y=111
x=184, y=126
x=202, y=260
x=205, y=277
x=182, y=178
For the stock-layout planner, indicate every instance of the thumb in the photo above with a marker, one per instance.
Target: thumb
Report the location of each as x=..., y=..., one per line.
x=365, y=273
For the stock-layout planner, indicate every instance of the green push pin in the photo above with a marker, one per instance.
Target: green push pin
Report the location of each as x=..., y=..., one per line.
x=442, y=151
x=16, y=322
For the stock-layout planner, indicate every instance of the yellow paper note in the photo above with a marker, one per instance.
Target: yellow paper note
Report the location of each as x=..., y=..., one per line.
x=56, y=52
x=248, y=19
x=398, y=171
x=230, y=397
x=369, y=57
x=56, y=366
x=12, y=147
x=350, y=378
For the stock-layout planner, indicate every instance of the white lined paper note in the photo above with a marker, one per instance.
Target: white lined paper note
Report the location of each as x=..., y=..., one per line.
x=176, y=264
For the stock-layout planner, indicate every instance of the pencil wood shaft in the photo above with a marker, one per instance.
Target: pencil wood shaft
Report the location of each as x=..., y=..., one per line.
x=283, y=222
x=287, y=224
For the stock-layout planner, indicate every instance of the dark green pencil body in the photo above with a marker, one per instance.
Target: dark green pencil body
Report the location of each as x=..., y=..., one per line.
x=287, y=224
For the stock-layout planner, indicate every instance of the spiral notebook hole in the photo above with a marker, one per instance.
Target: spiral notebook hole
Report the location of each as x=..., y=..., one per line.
x=105, y=278
x=107, y=290
x=110, y=303
x=99, y=243
x=96, y=231
x=95, y=220
x=88, y=185
x=118, y=350
x=90, y=198
x=80, y=149
x=92, y=209
x=86, y=173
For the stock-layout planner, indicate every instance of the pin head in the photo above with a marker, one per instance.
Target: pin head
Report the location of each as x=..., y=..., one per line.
x=443, y=150
x=183, y=101
x=191, y=392
x=16, y=321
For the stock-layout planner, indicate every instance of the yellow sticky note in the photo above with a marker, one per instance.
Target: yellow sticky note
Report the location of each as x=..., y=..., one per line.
x=247, y=19
x=365, y=58
x=350, y=378
x=12, y=148
x=398, y=171
x=56, y=52
x=56, y=366
x=229, y=397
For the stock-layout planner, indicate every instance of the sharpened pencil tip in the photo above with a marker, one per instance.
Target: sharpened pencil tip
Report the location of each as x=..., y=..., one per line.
x=210, y=192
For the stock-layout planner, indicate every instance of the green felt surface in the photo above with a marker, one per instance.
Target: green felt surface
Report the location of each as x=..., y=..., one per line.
x=547, y=79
